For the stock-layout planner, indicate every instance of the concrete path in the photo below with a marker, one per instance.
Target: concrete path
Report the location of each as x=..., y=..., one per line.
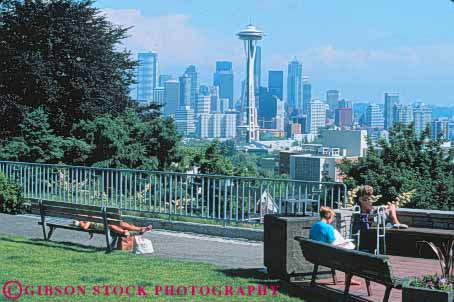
x=228, y=253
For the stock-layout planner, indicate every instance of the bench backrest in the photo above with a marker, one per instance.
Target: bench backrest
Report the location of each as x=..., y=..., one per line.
x=369, y=266
x=78, y=212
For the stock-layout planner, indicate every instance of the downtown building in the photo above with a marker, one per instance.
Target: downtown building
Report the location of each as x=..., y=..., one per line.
x=440, y=129
x=147, y=76
x=402, y=114
x=373, y=116
x=391, y=99
x=295, y=87
x=184, y=120
x=223, y=78
x=307, y=94
x=422, y=116
x=171, y=97
x=216, y=125
x=316, y=118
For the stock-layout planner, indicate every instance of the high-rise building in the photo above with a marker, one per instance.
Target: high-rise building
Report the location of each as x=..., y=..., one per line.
x=250, y=36
x=171, y=97
x=147, y=75
x=258, y=69
x=402, y=114
x=267, y=109
x=158, y=95
x=280, y=116
x=185, y=91
x=215, y=100
x=216, y=125
x=295, y=86
x=343, y=117
x=223, y=78
x=440, y=129
x=391, y=99
x=451, y=130
x=276, y=83
x=332, y=99
x=345, y=104
x=164, y=78
x=316, y=118
x=191, y=72
x=422, y=116
x=203, y=104
x=307, y=94
x=374, y=116
x=184, y=120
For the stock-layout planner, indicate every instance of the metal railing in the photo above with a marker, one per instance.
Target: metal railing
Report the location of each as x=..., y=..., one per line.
x=226, y=198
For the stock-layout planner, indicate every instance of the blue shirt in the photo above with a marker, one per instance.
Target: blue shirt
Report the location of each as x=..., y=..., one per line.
x=321, y=231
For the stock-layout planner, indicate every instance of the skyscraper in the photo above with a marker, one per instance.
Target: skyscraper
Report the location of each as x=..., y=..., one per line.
x=402, y=114
x=250, y=36
x=158, y=95
x=440, y=129
x=332, y=99
x=316, y=118
x=223, y=78
x=258, y=69
x=184, y=120
x=307, y=94
x=191, y=72
x=422, y=116
x=276, y=83
x=267, y=108
x=391, y=99
x=147, y=75
x=374, y=116
x=164, y=78
x=295, y=86
x=171, y=97
x=203, y=104
x=185, y=91
x=343, y=117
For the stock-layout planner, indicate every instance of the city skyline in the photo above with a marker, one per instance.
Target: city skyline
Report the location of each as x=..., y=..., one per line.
x=398, y=55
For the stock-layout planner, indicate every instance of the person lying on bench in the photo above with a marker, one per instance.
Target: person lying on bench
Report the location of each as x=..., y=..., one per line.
x=323, y=231
x=365, y=192
x=124, y=227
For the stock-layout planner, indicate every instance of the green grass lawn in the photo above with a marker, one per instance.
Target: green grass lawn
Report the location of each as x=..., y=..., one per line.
x=37, y=262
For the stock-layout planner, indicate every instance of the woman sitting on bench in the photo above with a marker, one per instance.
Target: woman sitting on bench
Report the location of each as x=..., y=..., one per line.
x=323, y=231
x=365, y=192
x=124, y=227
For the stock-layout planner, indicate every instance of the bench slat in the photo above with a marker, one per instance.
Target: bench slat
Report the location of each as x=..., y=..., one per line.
x=75, y=228
x=372, y=267
x=81, y=217
x=112, y=210
x=49, y=209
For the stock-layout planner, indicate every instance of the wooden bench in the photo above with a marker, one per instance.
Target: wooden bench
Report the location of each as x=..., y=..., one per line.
x=351, y=262
x=55, y=215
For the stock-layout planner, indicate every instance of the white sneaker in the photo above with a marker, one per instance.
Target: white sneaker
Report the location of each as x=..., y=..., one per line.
x=400, y=226
x=76, y=223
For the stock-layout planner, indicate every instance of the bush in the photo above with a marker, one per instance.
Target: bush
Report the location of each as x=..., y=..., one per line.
x=11, y=201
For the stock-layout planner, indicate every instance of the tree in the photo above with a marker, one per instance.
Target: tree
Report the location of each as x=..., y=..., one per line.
x=61, y=55
x=127, y=141
x=36, y=141
x=214, y=161
x=406, y=163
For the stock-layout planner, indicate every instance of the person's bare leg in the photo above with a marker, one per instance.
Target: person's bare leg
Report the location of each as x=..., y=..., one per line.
x=134, y=228
x=84, y=225
x=117, y=229
x=392, y=213
x=354, y=282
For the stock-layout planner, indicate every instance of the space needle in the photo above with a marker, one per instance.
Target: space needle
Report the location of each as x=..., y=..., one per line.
x=250, y=36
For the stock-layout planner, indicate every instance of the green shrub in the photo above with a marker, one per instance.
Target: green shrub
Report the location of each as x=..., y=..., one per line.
x=11, y=201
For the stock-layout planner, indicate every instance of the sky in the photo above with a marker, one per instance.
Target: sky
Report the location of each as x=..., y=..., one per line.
x=362, y=48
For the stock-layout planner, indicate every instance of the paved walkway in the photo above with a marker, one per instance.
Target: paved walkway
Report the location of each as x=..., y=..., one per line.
x=228, y=253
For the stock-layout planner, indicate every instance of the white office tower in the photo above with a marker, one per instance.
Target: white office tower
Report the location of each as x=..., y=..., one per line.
x=316, y=116
x=250, y=35
x=374, y=116
x=422, y=116
x=147, y=76
x=184, y=120
x=171, y=97
x=440, y=129
x=280, y=115
x=203, y=104
x=216, y=125
x=402, y=114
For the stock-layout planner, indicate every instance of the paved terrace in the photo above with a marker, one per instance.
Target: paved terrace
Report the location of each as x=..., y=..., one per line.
x=244, y=257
